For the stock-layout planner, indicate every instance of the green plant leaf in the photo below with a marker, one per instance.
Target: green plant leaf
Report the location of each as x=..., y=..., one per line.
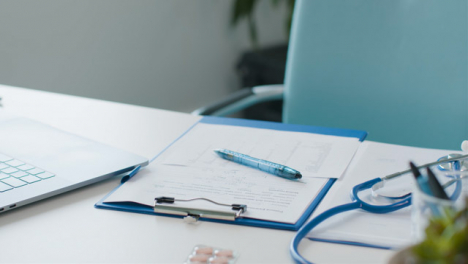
x=245, y=9
x=242, y=9
x=289, y=17
x=446, y=239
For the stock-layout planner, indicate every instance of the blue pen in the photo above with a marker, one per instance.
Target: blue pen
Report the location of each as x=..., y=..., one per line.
x=263, y=165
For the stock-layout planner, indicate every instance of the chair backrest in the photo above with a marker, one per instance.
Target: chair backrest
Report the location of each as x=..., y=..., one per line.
x=397, y=69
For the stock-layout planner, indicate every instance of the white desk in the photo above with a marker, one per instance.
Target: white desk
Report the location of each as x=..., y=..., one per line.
x=67, y=228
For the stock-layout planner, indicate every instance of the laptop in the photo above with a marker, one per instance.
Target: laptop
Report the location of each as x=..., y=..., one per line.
x=38, y=161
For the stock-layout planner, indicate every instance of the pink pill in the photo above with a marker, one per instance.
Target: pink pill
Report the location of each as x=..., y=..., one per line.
x=199, y=258
x=224, y=253
x=219, y=260
x=206, y=250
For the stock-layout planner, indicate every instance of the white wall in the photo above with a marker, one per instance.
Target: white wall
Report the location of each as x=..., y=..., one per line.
x=170, y=54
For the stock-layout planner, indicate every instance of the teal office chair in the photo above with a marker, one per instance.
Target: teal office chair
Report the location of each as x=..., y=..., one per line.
x=397, y=69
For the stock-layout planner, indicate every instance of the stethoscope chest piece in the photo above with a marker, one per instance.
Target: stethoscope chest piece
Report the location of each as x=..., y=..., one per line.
x=449, y=165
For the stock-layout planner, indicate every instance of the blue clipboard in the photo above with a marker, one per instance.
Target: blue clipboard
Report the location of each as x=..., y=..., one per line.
x=145, y=209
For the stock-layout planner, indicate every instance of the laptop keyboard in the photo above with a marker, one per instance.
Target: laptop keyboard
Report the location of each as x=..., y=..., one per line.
x=16, y=174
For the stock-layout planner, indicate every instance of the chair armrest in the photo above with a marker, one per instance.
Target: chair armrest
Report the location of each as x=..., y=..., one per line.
x=242, y=99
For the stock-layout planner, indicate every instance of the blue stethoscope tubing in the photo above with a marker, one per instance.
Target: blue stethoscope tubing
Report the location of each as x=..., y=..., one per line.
x=358, y=203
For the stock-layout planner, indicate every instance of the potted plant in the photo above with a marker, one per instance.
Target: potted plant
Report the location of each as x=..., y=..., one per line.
x=261, y=65
x=446, y=241
x=244, y=9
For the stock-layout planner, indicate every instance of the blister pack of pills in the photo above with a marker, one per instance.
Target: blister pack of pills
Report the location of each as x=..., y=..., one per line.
x=202, y=254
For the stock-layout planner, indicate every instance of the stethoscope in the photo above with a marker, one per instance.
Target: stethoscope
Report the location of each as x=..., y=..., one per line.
x=446, y=163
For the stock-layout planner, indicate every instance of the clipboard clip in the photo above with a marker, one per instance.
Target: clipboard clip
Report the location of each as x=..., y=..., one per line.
x=167, y=205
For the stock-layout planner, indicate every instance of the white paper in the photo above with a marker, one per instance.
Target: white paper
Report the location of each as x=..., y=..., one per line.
x=371, y=161
x=190, y=169
x=313, y=155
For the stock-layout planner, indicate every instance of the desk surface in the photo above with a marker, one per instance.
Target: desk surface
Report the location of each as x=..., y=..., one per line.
x=67, y=227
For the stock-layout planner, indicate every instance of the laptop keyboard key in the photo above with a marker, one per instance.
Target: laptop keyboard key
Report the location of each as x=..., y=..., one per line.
x=35, y=171
x=4, y=187
x=19, y=174
x=14, y=163
x=14, y=182
x=24, y=167
x=45, y=175
x=3, y=175
x=30, y=179
x=9, y=170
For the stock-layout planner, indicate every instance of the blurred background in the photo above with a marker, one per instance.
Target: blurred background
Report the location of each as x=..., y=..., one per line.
x=170, y=54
